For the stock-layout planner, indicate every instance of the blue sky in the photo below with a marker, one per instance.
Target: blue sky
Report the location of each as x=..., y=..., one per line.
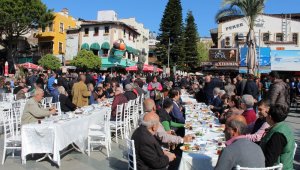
x=149, y=12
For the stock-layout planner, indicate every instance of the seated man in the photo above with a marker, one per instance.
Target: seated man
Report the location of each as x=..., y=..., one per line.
x=278, y=144
x=118, y=100
x=34, y=110
x=129, y=94
x=247, y=104
x=149, y=154
x=239, y=150
x=164, y=136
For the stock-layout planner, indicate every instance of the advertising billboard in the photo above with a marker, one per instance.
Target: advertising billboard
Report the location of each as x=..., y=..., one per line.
x=264, y=59
x=285, y=60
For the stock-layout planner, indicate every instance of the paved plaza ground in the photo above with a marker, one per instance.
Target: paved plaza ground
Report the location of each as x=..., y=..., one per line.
x=117, y=160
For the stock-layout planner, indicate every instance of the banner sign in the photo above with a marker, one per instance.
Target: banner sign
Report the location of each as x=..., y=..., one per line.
x=264, y=59
x=285, y=60
x=223, y=54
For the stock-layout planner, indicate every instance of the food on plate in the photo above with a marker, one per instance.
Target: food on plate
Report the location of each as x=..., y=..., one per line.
x=199, y=134
x=189, y=148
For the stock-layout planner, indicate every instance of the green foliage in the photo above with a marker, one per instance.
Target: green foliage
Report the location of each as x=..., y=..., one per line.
x=49, y=61
x=86, y=60
x=18, y=17
x=190, y=44
x=171, y=28
x=203, y=53
x=248, y=8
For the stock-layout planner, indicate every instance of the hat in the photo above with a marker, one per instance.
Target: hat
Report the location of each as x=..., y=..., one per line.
x=129, y=87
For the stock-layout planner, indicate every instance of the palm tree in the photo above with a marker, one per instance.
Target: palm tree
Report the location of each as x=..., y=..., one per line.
x=250, y=9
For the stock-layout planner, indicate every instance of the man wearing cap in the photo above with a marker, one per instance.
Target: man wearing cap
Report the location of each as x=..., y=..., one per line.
x=129, y=94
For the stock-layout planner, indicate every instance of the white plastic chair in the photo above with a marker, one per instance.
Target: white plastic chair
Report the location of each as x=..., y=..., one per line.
x=126, y=119
x=12, y=141
x=295, y=149
x=277, y=167
x=118, y=125
x=47, y=101
x=132, y=113
x=8, y=97
x=57, y=107
x=131, y=155
x=99, y=135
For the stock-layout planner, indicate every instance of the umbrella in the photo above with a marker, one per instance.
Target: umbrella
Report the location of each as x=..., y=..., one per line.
x=30, y=66
x=251, y=53
x=146, y=68
x=6, y=69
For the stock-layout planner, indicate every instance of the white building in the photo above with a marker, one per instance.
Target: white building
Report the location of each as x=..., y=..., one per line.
x=142, y=41
x=279, y=32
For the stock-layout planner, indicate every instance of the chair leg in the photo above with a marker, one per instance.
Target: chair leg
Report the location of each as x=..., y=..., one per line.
x=89, y=146
x=122, y=129
x=4, y=155
x=116, y=134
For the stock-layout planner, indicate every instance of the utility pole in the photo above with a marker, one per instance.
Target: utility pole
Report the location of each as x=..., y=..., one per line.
x=169, y=54
x=258, y=64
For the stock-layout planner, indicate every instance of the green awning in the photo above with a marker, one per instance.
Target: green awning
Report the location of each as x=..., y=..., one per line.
x=95, y=46
x=85, y=46
x=129, y=49
x=105, y=46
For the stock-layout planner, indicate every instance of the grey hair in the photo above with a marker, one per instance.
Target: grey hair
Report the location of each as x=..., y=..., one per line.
x=149, y=123
x=216, y=91
x=148, y=107
x=248, y=100
x=240, y=126
x=222, y=92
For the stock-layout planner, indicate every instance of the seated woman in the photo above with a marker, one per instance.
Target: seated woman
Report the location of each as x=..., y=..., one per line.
x=99, y=94
x=165, y=118
x=278, y=144
x=258, y=128
x=66, y=104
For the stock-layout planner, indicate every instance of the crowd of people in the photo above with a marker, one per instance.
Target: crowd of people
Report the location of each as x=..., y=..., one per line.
x=252, y=111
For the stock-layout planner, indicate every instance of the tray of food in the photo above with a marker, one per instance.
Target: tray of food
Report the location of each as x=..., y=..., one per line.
x=190, y=148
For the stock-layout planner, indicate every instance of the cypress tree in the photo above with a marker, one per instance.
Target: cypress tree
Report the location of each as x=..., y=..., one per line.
x=190, y=44
x=171, y=28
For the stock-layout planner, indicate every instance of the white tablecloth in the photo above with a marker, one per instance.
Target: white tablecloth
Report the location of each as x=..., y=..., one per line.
x=201, y=160
x=50, y=137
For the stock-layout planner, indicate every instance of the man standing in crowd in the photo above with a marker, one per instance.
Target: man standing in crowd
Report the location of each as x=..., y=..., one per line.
x=240, y=85
x=80, y=93
x=51, y=81
x=239, y=150
x=149, y=154
x=279, y=92
x=251, y=87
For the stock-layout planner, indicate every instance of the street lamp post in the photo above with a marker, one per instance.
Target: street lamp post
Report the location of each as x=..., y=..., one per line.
x=169, y=54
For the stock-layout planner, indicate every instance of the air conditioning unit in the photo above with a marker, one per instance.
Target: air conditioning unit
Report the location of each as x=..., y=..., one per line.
x=228, y=42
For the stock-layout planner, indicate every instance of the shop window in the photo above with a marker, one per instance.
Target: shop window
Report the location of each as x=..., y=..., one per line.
x=96, y=31
x=86, y=31
x=106, y=29
x=61, y=27
x=60, y=48
x=295, y=38
x=279, y=37
x=105, y=52
x=266, y=37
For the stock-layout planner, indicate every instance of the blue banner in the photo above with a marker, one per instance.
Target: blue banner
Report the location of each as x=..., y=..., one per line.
x=285, y=60
x=264, y=59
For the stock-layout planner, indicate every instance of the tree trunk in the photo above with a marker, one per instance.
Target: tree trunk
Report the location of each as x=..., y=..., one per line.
x=10, y=55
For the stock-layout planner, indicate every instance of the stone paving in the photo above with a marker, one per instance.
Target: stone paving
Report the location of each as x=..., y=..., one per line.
x=117, y=161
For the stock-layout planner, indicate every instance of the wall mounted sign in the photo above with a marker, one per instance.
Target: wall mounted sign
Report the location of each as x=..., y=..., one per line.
x=223, y=54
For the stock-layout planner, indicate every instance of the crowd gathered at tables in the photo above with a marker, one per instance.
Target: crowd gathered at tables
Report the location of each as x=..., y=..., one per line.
x=229, y=120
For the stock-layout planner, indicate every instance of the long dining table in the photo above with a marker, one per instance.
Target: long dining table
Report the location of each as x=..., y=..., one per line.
x=203, y=152
x=54, y=134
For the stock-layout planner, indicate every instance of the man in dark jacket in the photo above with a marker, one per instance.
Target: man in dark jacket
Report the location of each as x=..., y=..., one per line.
x=149, y=154
x=240, y=85
x=251, y=87
x=279, y=92
x=129, y=94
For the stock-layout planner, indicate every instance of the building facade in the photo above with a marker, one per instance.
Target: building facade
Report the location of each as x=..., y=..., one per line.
x=52, y=39
x=276, y=36
x=99, y=37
